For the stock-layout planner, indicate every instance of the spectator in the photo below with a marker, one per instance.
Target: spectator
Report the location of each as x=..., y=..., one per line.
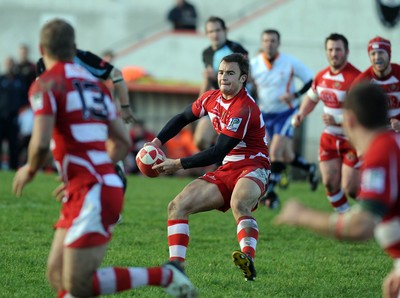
x=183, y=16
x=26, y=69
x=12, y=90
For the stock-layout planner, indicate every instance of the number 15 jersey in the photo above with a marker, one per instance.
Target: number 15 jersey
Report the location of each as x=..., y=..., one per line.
x=82, y=107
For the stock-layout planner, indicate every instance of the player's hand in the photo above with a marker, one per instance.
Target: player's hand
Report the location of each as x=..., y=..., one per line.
x=297, y=120
x=127, y=115
x=287, y=98
x=169, y=166
x=59, y=192
x=290, y=213
x=391, y=285
x=155, y=142
x=395, y=124
x=21, y=178
x=328, y=119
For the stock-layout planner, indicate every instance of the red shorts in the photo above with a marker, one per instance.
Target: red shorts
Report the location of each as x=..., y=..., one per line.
x=227, y=175
x=89, y=214
x=332, y=147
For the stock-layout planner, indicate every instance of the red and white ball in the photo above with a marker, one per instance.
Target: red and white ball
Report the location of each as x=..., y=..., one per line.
x=147, y=157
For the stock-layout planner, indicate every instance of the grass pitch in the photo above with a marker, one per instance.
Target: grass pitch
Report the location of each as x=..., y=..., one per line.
x=290, y=262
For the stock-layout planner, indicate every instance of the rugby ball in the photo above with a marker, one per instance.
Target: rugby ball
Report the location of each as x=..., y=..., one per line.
x=147, y=157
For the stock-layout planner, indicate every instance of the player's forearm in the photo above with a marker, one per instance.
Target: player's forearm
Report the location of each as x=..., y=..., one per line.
x=37, y=156
x=117, y=150
x=122, y=93
x=307, y=106
x=354, y=225
x=314, y=220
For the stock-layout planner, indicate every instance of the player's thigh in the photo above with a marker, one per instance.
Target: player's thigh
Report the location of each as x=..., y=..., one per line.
x=331, y=173
x=197, y=196
x=244, y=197
x=350, y=180
x=79, y=266
x=55, y=260
x=204, y=134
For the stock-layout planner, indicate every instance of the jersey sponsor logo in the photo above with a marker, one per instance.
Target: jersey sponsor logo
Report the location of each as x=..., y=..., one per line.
x=37, y=101
x=373, y=180
x=234, y=124
x=329, y=98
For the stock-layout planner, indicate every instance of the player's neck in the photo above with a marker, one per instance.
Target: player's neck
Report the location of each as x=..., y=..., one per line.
x=384, y=73
x=365, y=139
x=49, y=62
x=336, y=70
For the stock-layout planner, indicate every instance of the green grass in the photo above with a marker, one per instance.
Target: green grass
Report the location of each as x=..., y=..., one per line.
x=290, y=262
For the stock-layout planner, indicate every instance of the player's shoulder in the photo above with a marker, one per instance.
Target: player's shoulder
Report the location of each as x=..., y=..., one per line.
x=383, y=144
x=321, y=73
x=350, y=72
x=286, y=57
x=395, y=68
x=365, y=75
x=207, y=51
x=211, y=93
x=236, y=47
x=290, y=59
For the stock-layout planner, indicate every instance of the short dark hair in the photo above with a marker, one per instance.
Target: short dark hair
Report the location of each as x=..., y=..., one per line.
x=214, y=19
x=272, y=31
x=369, y=103
x=241, y=60
x=336, y=37
x=58, y=38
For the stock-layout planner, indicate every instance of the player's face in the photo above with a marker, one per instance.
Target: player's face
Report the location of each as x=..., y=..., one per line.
x=336, y=53
x=229, y=79
x=270, y=44
x=216, y=34
x=379, y=59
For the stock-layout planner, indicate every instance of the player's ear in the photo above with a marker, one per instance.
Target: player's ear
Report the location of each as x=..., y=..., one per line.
x=243, y=78
x=41, y=50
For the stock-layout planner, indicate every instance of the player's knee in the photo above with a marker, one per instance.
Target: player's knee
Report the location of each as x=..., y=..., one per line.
x=240, y=207
x=78, y=286
x=54, y=277
x=351, y=191
x=331, y=186
x=177, y=208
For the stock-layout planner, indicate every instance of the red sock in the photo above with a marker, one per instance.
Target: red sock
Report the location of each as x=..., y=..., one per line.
x=178, y=239
x=338, y=201
x=113, y=279
x=247, y=235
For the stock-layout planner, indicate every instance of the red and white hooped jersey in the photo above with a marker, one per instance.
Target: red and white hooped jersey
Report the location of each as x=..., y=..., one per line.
x=391, y=85
x=380, y=181
x=331, y=89
x=82, y=107
x=239, y=118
